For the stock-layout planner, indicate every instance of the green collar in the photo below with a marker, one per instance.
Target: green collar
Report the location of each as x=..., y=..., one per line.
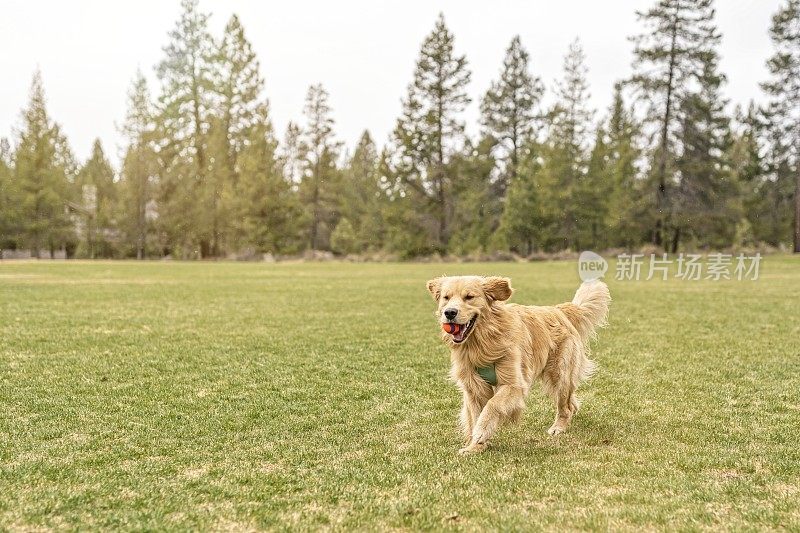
x=488, y=374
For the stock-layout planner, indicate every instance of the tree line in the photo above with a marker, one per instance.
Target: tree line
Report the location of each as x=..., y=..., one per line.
x=205, y=175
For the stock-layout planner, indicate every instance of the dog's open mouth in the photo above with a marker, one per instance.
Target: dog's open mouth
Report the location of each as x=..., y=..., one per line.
x=463, y=330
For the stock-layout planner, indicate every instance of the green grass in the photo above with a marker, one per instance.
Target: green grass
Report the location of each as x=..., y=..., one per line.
x=254, y=396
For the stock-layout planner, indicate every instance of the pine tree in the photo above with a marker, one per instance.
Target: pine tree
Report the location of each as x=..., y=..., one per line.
x=758, y=158
x=591, y=195
x=627, y=221
x=747, y=168
x=783, y=114
x=430, y=131
x=523, y=221
x=668, y=64
x=292, y=153
x=239, y=87
x=239, y=110
x=183, y=126
x=362, y=199
x=9, y=202
x=320, y=179
x=747, y=159
x=43, y=166
x=479, y=206
x=705, y=195
x=509, y=110
x=266, y=209
x=565, y=153
x=98, y=196
x=136, y=187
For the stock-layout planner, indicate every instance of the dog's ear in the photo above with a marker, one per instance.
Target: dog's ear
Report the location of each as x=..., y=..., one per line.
x=497, y=288
x=435, y=287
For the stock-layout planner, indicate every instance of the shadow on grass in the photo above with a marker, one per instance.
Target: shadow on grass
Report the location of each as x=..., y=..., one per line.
x=530, y=441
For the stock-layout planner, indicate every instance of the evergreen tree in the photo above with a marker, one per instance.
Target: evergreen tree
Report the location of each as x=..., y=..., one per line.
x=9, y=202
x=591, y=195
x=267, y=211
x=344, y=239
x=627, y=218
x=362, y=200
x=767, y=198
x=565, y=153
x=136, y=187
x=430, y=131
x=509, y=110
x=479, y=206
x=43, y=167
x=523, y=220
x=746, y=159
x=292, y=153
x=679, y=37
x=239, y=88
x=183, y=127
x=215, y=194
x=98, y=196
x=705, y=196
x=238, y=112
x=783, y=116
x=320, y=178
x=747, y=169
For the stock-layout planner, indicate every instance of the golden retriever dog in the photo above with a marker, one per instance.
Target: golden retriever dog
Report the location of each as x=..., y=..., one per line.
x=498, y=349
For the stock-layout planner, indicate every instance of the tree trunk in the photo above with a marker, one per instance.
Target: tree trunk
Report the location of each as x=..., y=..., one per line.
x=661, y=194
x=36, y=246
x=676, y=239
x=36, y=237
x=514, y=161
x=442, y=211
x=90, y=235
x=215, y=223
x=315, y=215
x=797, y=213
x=140, y=235
x=440, y=166
x=198, y=130
x=205, y=245
x=141, y=230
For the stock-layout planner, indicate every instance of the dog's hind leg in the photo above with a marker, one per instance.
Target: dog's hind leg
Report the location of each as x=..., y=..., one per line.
x=561, y=386
x=566, y=407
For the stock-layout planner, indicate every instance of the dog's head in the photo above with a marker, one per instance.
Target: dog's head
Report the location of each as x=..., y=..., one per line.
x=464, y=299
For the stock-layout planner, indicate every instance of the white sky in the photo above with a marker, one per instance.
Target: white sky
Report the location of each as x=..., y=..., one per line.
x=362, y=51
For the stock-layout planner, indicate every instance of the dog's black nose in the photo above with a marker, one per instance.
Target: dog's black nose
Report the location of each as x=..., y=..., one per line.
x=450, y=314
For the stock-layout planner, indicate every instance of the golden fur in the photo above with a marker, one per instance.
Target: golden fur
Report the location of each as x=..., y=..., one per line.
x=523, y=342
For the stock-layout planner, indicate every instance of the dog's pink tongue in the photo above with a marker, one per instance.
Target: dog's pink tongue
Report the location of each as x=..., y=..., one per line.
x=460, y=335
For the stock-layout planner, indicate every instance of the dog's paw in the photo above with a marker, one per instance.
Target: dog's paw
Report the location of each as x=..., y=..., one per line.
x=555, y=429
x=473, y=448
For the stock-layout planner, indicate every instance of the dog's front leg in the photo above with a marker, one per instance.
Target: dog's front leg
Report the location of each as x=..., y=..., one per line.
x=506, y=403
x=473, y=401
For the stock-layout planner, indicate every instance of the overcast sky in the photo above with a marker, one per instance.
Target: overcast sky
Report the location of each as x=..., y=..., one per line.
x=362, y=51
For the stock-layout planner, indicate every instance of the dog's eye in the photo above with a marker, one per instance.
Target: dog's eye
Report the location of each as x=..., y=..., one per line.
x=446, y=298
x=469, y=297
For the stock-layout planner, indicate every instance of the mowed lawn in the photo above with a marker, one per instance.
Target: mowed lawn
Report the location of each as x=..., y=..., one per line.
x=304, y=396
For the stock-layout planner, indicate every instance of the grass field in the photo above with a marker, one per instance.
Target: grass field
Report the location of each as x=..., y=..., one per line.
x=254, y=396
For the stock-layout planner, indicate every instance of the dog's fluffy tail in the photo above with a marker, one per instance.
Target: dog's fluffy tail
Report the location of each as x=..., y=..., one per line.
x=589, y=308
